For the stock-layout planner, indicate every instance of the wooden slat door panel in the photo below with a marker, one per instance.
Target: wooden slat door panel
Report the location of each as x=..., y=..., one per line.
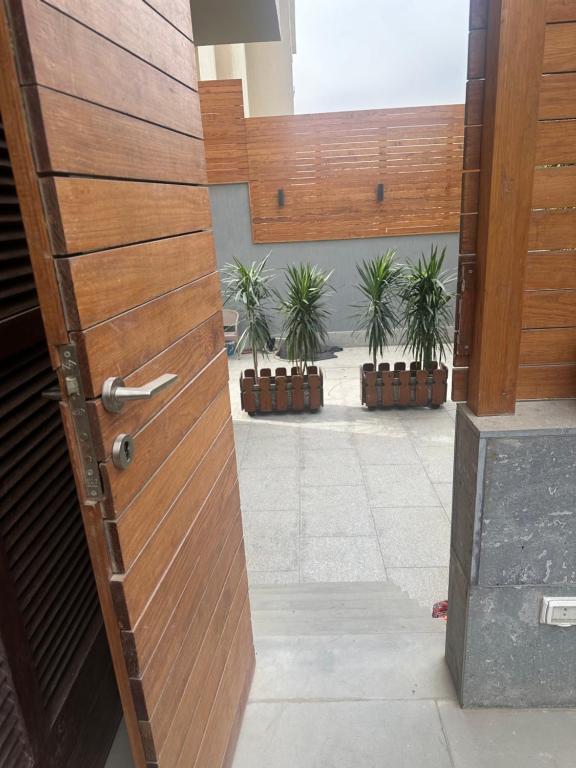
x=118, y=173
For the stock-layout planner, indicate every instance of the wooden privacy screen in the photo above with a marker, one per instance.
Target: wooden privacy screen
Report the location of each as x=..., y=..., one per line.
x=102, y=119
x=546, y=326
x=329, y=166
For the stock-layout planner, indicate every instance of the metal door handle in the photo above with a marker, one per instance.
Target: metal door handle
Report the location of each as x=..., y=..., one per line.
x=114, y=393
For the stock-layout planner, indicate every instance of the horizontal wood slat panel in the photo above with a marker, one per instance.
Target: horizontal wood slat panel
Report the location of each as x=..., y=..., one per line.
x=550, y=229
x=139, y=30
x=172, y=608
x=556, y=142
x=224, y=131
x=560, y=48
x=551, y=269
x=132, y=589
x=549, y=309
x=161, y=436
x=546, y=382
x=124, y=343
x=561, y=10
x=552, y=346
x=554, y=187
x=97, y=70
x=459, y=385
x=177, y=12
x=75, y=137
x=186, y=358
x=90, y=214
x=558, y=97
x=132, y=529
x=102, y=284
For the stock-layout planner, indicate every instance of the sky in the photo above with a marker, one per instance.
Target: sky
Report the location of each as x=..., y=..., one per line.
x=370, y=54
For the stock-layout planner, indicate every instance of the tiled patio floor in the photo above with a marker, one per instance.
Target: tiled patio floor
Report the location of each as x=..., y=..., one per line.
x=346, y=494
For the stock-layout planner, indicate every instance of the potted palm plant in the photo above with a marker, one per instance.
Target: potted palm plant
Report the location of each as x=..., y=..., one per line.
x=426, y=316
x=305, y=334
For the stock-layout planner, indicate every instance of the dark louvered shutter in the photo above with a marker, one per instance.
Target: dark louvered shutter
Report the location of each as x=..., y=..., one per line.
x=56, y=679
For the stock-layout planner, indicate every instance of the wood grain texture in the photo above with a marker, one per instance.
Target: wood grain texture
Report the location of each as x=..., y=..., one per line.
x=97, y=70
x=90, y=214
x=549, y=309
x=478, y=14
x=126, y=342
x=102, y=284
x=476, y=54
x=546, y=382
x=550, y=346
x=177, y=12
x=78, y=138
x=133, y=29
x=554, y=187
x=222, y=105
x=561, y=10
x=551, y=229
x=558, y=96
x=560, y=48
x=556, y=142
x=470, y=191
x=515, y=45
x=551, y=269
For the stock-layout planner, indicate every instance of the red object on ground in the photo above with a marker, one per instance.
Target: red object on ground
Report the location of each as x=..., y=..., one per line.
x=440, y=610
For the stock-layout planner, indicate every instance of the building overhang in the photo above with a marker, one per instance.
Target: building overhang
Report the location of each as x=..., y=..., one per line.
x=219, y=22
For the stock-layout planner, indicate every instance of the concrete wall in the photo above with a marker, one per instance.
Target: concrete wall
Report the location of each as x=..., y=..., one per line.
x=233, y=236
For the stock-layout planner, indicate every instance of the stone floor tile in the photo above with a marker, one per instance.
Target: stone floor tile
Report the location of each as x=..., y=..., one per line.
x=444, y=493
x=395, y=665
x=413, y=537
x=326, y=437
x=260, y=578
x=341, y=559
x=342, y=735
x=426, y=585
x=502, y=738
x=402, y=485
x=270, y=453
x=335, y=511
x=384, y=449
x=438, y=461
x=269, y=488
x=338, y=467
x=271, y=540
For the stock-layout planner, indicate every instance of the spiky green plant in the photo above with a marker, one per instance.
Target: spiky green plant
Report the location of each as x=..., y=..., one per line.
x=379, y=279
x=426, y=311
x=305, y=313
x=249, y=288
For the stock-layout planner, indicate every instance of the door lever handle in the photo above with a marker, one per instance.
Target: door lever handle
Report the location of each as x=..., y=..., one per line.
x=114, y=393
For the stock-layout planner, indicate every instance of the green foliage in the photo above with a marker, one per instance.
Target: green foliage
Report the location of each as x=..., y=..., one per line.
x=426, y=311
x=249, y=288
x=305, y=313
x=379, y=280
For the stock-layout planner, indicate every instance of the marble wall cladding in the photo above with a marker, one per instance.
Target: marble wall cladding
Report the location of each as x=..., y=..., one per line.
x=528, y=528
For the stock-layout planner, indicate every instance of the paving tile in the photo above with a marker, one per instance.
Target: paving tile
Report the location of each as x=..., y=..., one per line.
x=384, y=449
x=399, y=486
x=396, y=665
x=327, y=437
x=335, y=511
x=270, y=453
x=269, y=488
x=430, y=429
x=271, y=540
x=279, y=430
x=330, y=467
x=444, y=493
x=502, y=738
x=259, y=578
x=413, y=536
x=341, y=559
x=342, y=735
x=425, y=585
x=438, y=461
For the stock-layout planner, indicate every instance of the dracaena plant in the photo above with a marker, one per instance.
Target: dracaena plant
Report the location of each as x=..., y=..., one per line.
x=426, y=308
x=305, y=314
x=248, y=287
x=376, y=316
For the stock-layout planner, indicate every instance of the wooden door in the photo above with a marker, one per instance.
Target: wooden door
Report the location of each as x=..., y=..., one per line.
x=102, y=118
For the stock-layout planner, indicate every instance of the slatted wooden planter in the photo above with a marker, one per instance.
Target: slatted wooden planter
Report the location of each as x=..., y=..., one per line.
x=281, y=392
x=401, y=387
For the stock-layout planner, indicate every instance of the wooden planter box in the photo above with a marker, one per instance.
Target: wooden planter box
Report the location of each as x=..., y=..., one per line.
x=281, y=392
x=412, y=387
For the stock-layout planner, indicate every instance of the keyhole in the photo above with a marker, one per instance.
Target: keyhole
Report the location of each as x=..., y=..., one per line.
x=123, y=451
x=127, y=451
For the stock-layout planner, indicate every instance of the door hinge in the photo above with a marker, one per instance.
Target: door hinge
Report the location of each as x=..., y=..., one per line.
x=74, y=396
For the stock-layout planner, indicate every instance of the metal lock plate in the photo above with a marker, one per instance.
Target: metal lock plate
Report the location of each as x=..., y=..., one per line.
x=123, y=451
x=558, y=611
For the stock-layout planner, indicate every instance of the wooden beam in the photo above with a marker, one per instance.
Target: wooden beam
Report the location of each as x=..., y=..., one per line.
x=515, y=48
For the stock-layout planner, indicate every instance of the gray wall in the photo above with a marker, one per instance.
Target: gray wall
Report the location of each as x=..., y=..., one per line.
x=233, y=236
